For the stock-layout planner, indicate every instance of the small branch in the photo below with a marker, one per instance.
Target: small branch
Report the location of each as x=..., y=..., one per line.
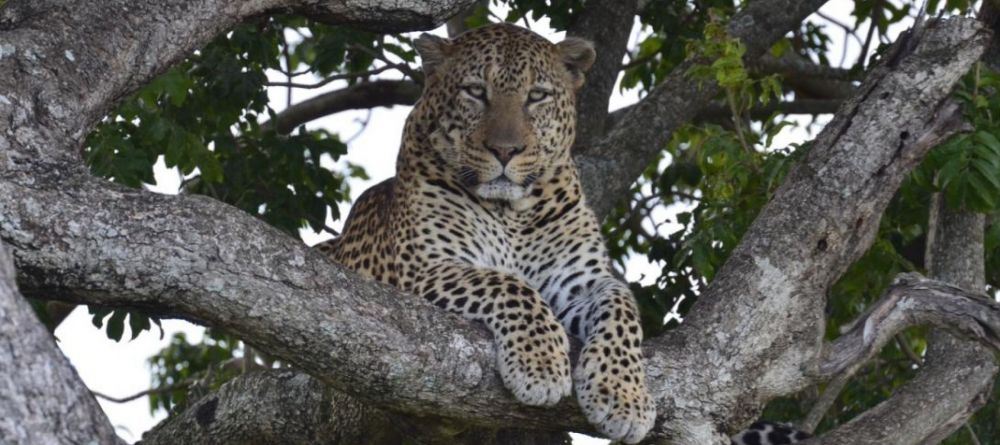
x=379, y=93
x=848, y=30
x=791, y=65
x=363, y=123
x=295, y=73
x=332, y=78
x=401, y=67
x=876, y=10
x=456, y=24
x=904, y=345
x=972, y=434
x=913, y=300
x=181, y=385
x=822, y=406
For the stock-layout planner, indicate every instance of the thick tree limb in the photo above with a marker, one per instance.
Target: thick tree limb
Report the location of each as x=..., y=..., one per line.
x=379, y=93
x=277, y=407
x=42, y=399
x=379, y=15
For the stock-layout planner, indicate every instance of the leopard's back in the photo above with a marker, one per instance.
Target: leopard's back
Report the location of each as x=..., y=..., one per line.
x=366, y=244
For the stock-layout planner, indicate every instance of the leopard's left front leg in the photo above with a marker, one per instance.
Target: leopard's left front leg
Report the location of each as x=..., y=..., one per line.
x=609, y=378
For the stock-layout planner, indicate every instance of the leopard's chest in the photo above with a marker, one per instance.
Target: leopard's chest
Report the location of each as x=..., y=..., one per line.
x=539, y=245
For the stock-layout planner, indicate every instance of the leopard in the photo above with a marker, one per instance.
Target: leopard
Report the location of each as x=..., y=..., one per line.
x=486, y=218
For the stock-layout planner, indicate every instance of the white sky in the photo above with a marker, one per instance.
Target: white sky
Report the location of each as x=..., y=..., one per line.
x=120, y=369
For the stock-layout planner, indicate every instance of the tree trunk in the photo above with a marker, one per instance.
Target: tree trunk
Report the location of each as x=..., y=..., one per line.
x=42, y=399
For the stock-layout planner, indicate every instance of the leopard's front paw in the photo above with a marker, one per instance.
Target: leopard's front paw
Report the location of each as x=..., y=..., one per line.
x=535, y=367
x=611, y=389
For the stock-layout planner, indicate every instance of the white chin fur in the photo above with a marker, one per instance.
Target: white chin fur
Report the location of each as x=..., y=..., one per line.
x=502, y=190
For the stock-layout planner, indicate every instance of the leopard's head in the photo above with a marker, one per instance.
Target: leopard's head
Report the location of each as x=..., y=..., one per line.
x=500, y=105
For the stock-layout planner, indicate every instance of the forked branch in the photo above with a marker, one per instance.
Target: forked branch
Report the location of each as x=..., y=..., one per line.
x=913, y=301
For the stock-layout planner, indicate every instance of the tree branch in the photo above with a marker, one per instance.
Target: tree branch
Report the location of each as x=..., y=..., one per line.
x=277, y=407
x=719, y=111
x=378, y=93
x=607, y=23
x=144, y=393
x=287, y=407
x=913, y=301
x=807, y=79
x=44, y=400
x=332, y=78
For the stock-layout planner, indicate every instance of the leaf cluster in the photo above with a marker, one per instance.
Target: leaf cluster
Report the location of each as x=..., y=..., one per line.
x=193, y=369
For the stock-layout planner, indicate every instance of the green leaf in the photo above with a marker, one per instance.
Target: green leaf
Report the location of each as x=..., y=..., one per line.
x=137, y=323
x=116, y=324
x=989, y=140
x=99, y=313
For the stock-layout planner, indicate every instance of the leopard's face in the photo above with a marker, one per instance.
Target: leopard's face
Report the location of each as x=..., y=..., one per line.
x=505, y=106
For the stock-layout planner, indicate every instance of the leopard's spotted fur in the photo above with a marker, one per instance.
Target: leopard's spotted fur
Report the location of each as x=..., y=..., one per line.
x=486, y=218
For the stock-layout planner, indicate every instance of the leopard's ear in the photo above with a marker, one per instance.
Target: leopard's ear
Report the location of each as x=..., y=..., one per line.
x=578, y=55
x=433, y=51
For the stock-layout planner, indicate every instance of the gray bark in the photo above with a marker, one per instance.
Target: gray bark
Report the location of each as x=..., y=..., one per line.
x=754, y=335
x=42, y=400
x=276, y=407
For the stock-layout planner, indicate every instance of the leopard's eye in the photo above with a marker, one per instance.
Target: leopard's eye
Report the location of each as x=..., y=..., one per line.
x=477, y=92
x=537, y=95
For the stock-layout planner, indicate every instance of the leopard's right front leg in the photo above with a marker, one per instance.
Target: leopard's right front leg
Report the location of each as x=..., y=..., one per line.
x=532, y=348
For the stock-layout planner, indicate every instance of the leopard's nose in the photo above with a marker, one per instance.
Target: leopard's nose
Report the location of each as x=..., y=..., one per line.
x=504, y=153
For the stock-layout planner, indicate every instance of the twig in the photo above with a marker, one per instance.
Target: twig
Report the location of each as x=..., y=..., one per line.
x=401, y=67
x=288, y=76
x=848, y=33
x=972, y=434
x=823, y=404
x=364, y=125
x=904, y=345
x=876, y=11
x=181, y=385
x=332, y=78
x=293, y=73
x=847, y=29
